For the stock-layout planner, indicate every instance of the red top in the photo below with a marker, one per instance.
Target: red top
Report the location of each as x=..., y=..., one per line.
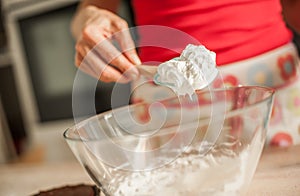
x=234, y=29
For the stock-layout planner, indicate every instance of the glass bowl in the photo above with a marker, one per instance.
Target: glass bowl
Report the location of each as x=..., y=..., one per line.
x=207, y=144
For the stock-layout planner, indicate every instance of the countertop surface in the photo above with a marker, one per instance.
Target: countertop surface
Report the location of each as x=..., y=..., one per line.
x=278, y=173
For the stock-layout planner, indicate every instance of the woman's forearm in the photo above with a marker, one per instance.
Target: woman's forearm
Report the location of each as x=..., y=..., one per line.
x=111, y=5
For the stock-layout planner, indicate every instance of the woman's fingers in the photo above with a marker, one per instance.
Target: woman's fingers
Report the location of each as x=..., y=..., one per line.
x=113, y=40
x=127, y=45
x=107, y=44
x=105, y=72
x=113, y=56
x=89, y=61
x=103, y=42
x=82, y=67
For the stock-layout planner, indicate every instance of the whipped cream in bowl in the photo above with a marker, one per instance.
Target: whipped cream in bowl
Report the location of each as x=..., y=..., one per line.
x=194, y=69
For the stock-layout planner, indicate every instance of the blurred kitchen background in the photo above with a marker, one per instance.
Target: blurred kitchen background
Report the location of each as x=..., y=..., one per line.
x=36, y=79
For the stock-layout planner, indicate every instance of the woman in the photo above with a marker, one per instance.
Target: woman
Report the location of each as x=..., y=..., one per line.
x=251, y=40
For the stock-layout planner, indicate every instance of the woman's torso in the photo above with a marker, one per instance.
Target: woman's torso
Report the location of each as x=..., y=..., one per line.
x=234, y=29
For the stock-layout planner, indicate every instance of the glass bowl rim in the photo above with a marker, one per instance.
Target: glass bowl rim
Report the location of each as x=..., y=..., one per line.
x=262, y=88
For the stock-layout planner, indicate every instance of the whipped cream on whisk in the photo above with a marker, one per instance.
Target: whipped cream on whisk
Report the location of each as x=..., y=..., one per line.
x=194, y=69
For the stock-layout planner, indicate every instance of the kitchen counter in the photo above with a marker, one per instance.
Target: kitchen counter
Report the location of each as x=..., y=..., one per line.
x=278, y=173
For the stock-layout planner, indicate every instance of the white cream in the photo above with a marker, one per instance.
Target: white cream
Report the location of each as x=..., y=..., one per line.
x=194, y=69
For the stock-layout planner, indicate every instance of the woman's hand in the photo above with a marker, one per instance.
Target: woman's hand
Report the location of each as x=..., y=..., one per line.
x=96, y=30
